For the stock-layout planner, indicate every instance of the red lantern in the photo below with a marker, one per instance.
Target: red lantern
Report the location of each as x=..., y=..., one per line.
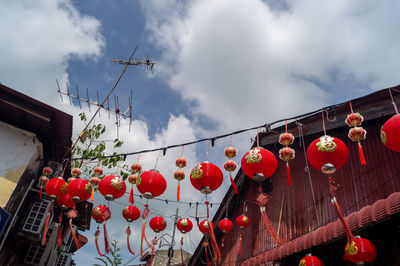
x=206, y=227
x=157, y=224
x=132, y=179
x=131, y=213
x=47, y=171
x=180, y=162
x=310, y=260
x=230, y=166
x=112, y=187
x=354, y=119
x=206, y=177
x=94, y=181
x=65, y=202
x=259, y=164
x=286, y=154
x=179, y=174
x=286, y=139
x=76, y=172
x=225, y=225
x=79, y=189
x=72, y=178
x=360, y=251
x=242, y=221
x=357, y=134
x=230, y=152
x=151, y=184
x=390, y=133
x=54, y=186
x=327, y=154
x=101, y=213
x=98, y=171
x=184, y=225
x=136, y=168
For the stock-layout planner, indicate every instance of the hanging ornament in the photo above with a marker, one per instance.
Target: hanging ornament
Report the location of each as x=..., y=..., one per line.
x=132, y=180
x=130, y=213
x=151, y=184
x=158, y=224
x=95, y=180
x=206, y=177
x=259, y=164
x=360, y=251
x=225, y=225
x=79, y=189
x=65, y=202
x=53, y=188
x=184, y=225
x=206, y=227
x=390, y=133
x=179, y=174
x=230, y=151
x=112, y=187
x=287, y=154
x=242, y=221
x=356, y=132
x=101, y=214
x=310, y=260
x=46, y=172
x=231, y=165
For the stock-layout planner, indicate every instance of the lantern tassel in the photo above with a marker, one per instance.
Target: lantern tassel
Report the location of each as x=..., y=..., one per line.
x=240, y=243
x=289, y=178
x=143, y=236
x=78, y=244
x=361, y=153
x=128, y=233
x=275, y=237
x=233, y=185
x=131, y=199
x=178, y=192
x=41, y=190
x=106, y=242
x=92, y=196
x=205, y=250
x=46, y=225
x=183, y=262
x=341, y=217
x=59, y=229
x=214, y=244
x=96, y=235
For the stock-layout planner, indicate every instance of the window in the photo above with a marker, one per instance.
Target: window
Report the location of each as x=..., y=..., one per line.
x=64, y=259
x=34, y=254
x=37, y=216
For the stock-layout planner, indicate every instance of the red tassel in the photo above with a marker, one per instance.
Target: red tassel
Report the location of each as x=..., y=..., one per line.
x=59, y=229
x=92, y=195
x=178, y=192
x=341, y=217
x=143, y=236
x=361, y=153
x=183, y=262
x=233, y=185
x=131, y=199
x=106, y=242
x=41, y=189
x=205, y=250
x=96, y=235
x=275, y=237
x=240, y=242
x=128, y=233
x=214, y=244
x=289, y=178
x=78, y=244
x=46, y=225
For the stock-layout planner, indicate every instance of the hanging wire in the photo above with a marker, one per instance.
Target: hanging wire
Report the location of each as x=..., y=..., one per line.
x=394, y=104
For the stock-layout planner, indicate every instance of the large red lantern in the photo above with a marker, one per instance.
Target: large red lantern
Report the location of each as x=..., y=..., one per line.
x=259, y=164
x=157, y=224
x=390, y=133
x=225, y=225
x=112, y=187
x=101, y=213
x=79, y=189
x=206, y=227
x=151, y=184
x=131, y=213
x=327, y=154
x=310, y=260
x=54, y=188
x=206, y=177
x=360, y=250
x=184, y=225
x=65, y=202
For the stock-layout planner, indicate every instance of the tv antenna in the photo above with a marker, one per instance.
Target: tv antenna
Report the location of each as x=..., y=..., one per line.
x=145, y=61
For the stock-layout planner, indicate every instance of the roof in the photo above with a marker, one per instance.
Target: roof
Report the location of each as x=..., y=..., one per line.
x=51, y=126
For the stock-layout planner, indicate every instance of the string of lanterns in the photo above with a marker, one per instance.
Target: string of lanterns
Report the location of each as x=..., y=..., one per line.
x=327, y=154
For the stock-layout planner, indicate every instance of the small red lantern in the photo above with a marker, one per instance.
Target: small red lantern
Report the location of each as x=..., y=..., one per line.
x=79, y=189
x=65, y=202
x=354, y=119
x=179, y=174
x=131, y=213
x=390, y=133
x=242, y=221
x=286, y=139
x=157, y=224
x=360, y=251
x=206, y=227
x=72, y=178
x=184, y=225
x=287, y=154
x=151, y=184
x=47, y=171
x=230, y=165
x=101, y=213
x=230, y=152
x=98, y=171
x=327, y=154
x=180, y=162
x=132, y=179
x=206, y=177
x=53, y=188
x=310, y=260
x=259, y=164
x=225, y=225
x=76, y=172
x=136, y=168
x=42, y=180
x=112, y=187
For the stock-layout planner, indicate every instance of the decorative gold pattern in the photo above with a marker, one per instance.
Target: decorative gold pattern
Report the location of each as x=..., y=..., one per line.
x=96, y=211
x=245, y=220
x=286, y=139
x=357, y=134
x=383, y=137
x=326, y=144
x=286, y=154
x=303, y=263
x=205, y=225
x=184, y=222
x=116, y=182
x=126, y=210
x=254, y=156
x=197, y=172
x=351, y=249
x=139, y=180
x=88, y=188
x=64, y=189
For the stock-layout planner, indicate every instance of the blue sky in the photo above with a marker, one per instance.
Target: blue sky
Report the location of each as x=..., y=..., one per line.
x=220, y=66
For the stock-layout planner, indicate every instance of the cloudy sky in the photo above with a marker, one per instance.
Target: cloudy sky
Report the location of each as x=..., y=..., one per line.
x=220, y=66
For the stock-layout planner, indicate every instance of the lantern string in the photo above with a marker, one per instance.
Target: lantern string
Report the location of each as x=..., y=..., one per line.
x=230, y=140
x=258, y=139
x=183, y=146
x=208, y=149
x=394, y=104
x=351, y=107
x=285, y=126
x=158, y=156
x=65, y=167
x=138, y=157
x=323, y=121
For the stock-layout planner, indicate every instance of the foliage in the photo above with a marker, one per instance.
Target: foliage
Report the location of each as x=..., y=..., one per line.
x=113, y=258
x=91, y=145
